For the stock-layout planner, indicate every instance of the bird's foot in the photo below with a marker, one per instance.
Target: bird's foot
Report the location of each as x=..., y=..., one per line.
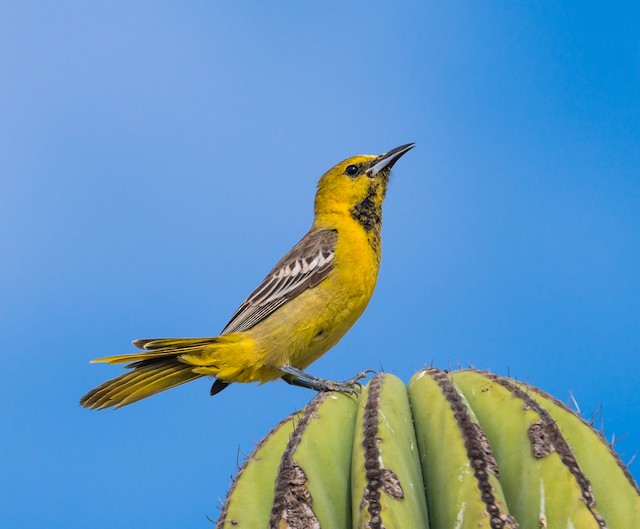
x=349, y=384
x=300, y=378
x=346, y=386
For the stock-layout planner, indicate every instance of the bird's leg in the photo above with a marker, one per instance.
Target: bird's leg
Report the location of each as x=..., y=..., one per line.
x=297, y=377
x=300, y=382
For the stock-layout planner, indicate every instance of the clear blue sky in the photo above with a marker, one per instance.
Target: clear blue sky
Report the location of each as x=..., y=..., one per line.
x=157, y=158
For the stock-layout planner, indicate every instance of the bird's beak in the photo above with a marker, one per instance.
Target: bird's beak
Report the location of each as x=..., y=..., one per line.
x=388, y=159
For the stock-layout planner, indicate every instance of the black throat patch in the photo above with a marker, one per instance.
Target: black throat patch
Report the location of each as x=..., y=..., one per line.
x=368, y=212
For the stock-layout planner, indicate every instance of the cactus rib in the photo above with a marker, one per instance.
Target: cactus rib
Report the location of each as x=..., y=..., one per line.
x=478, y=451
x=292, y=501
x=545, y=437
x=254, y=481
x=373, y=472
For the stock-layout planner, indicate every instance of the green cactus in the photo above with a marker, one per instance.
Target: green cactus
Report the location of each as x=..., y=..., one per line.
x=457, y=450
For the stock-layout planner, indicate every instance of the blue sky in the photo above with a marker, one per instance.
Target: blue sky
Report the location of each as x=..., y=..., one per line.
x=157, y=158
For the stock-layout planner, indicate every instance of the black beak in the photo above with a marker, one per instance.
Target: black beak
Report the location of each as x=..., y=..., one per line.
x=388, y=159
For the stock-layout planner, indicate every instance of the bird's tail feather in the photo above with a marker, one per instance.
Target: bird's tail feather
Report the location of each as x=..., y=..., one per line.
x=156, y=349
x=146, y=379
x=153, y=370
x=169, y=362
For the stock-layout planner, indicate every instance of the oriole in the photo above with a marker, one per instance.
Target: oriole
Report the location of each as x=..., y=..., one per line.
x=304, y=306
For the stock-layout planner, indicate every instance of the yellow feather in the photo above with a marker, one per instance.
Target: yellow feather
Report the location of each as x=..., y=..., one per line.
x=140, y=379
x=138, y=384
x=171, y=380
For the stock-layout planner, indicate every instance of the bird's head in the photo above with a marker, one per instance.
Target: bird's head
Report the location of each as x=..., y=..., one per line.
x=358, y=186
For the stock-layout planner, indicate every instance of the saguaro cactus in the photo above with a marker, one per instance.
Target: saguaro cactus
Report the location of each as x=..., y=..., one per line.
x=457, y=450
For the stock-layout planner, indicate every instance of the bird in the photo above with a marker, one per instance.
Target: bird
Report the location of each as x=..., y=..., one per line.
x=304, y=306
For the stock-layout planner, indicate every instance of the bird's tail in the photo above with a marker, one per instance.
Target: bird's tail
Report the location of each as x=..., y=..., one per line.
x=156, y=368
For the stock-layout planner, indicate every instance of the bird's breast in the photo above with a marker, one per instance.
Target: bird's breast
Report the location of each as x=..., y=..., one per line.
x=314, y=321
x=357, y=260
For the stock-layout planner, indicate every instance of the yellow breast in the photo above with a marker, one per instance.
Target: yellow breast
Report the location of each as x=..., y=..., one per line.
x=306, y=327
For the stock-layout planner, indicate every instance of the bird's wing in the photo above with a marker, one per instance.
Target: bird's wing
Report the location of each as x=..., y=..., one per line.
x=306, y=265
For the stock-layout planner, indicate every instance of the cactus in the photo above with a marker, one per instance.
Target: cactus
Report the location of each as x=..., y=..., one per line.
x=457, y=450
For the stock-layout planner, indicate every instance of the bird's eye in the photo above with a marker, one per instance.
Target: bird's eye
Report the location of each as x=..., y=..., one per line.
x=351, y=170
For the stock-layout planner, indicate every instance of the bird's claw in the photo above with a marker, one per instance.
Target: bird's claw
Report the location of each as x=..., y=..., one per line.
x=330, y=385
x=347, y=386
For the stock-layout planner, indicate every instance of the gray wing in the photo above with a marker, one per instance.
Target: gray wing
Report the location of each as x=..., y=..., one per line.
x=306, y=265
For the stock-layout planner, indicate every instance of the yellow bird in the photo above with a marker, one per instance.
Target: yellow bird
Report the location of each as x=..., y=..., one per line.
x=303, y=308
